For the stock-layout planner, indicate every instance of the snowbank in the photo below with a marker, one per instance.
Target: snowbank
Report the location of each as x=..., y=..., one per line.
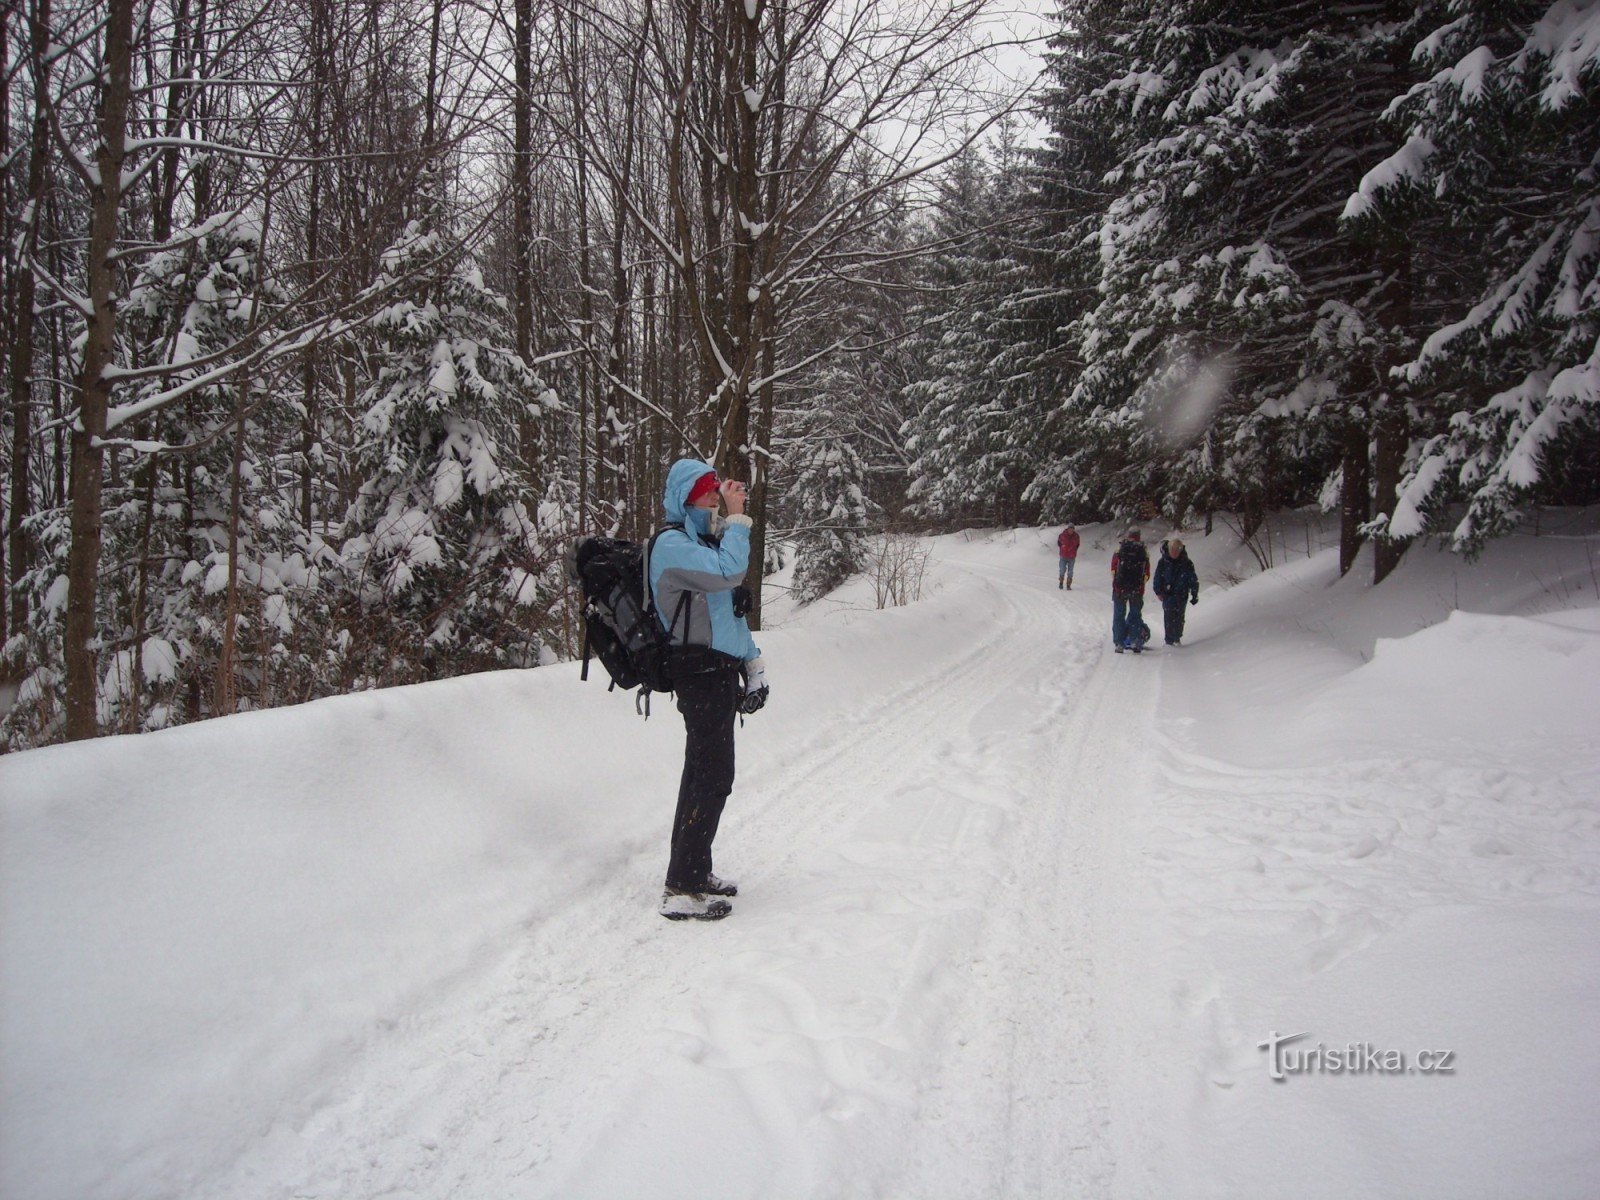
x=1371, y=816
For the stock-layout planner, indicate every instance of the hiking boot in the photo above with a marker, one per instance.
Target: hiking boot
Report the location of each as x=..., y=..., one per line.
x=719, y=887
x=693, y=906
x=1060, y=584
x=1117, y=649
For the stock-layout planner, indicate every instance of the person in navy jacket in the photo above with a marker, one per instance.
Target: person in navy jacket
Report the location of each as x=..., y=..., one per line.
x=696, y=569
x=1177, y=586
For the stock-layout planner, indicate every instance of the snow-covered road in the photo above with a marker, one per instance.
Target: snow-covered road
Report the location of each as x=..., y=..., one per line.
x=1015, y=913
x=904, y=1003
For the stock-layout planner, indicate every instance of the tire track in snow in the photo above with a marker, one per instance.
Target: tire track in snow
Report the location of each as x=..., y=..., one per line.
x=1040, y=1125
x=920, y=907
x=874, y=864
x=501, y=1067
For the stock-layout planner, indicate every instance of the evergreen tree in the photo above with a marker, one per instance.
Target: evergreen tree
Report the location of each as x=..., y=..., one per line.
x=973, y=410
x=443, y=533
x=828, y=502
x=1501, y=145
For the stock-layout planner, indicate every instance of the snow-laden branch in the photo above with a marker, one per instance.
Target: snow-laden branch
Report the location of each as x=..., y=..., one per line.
x=290, y=342
x=795, y=368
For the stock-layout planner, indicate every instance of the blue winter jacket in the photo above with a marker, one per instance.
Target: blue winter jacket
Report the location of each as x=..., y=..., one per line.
x=1176, y=580
x=691, y=562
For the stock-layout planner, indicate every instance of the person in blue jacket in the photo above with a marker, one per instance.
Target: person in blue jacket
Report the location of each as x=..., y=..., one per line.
x=696, y=569
x=1177, y=586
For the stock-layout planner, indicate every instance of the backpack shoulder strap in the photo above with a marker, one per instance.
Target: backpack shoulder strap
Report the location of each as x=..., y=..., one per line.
x=649, y=549
x=649, y=597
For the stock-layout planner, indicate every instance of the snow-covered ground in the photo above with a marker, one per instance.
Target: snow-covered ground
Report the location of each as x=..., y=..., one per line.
x=1016, y=913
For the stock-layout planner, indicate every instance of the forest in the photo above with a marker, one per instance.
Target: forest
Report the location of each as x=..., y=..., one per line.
x=327, y=326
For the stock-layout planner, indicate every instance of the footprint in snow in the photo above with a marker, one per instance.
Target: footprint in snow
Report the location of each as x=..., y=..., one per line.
x=1367, y=845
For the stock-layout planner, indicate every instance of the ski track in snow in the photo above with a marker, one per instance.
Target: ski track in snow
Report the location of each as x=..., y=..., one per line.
x=919, y=886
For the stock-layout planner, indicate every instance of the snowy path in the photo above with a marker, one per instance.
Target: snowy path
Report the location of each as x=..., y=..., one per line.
x=1016, y=913
x=903, y=1003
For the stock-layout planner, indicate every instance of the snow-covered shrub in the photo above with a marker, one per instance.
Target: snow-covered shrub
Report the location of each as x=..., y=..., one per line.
x=897, y=564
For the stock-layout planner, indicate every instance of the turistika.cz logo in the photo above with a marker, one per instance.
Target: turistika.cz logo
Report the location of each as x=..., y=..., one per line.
x=1353, y=1058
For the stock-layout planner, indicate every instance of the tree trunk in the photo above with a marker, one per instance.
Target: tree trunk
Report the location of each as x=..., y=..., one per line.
x=430, y=128
x=607, y=443
x=522, y=224
x=1252, y=519
x=11, y=317
x=746, y=206
x=203, y=104
x=586, y=485
x=321, y=36
x=19, y=556
x=760, y=481
x=227, y=681
x=1393, y=427
x=94, y=391
x=141, y=592
x=1387, y=460
x=1354, y=501
x=165, y=178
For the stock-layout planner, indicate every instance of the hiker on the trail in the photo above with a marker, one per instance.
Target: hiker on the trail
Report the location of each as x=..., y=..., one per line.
x=1067, y=543
x=696, y=574
x=1130, y=568
x=1177, y=586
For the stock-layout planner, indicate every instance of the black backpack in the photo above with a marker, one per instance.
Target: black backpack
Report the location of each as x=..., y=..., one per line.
x=1132, y=559
x=619, y=621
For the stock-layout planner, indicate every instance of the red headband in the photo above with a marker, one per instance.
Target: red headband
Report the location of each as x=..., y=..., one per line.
x=706, y=483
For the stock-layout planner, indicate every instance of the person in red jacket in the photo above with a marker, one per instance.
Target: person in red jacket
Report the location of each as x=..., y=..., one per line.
x=1068, y=544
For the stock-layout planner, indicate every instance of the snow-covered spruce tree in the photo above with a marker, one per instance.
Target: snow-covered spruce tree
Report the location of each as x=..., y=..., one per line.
x=1238, y=130
x=826, y=503
x=973, y=413
x=1085, y=454
x=444, y=536
x=1501, y=144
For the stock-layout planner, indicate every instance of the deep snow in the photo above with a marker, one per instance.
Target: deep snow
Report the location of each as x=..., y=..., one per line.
x=1015, y=912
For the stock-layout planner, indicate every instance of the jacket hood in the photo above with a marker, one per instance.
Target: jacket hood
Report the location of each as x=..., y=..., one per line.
x=680, y=479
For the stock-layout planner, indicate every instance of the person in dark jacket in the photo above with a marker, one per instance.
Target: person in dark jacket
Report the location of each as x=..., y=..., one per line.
x=1130, y=568
x=1177, y=586
x=696, y=567
x=1067, y=544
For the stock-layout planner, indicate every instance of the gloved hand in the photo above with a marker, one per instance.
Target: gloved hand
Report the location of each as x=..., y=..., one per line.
x=1195, y=599
x=755, y=686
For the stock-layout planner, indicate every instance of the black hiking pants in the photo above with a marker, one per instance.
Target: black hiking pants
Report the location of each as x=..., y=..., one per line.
x=709, y=703
x=1173, y=609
